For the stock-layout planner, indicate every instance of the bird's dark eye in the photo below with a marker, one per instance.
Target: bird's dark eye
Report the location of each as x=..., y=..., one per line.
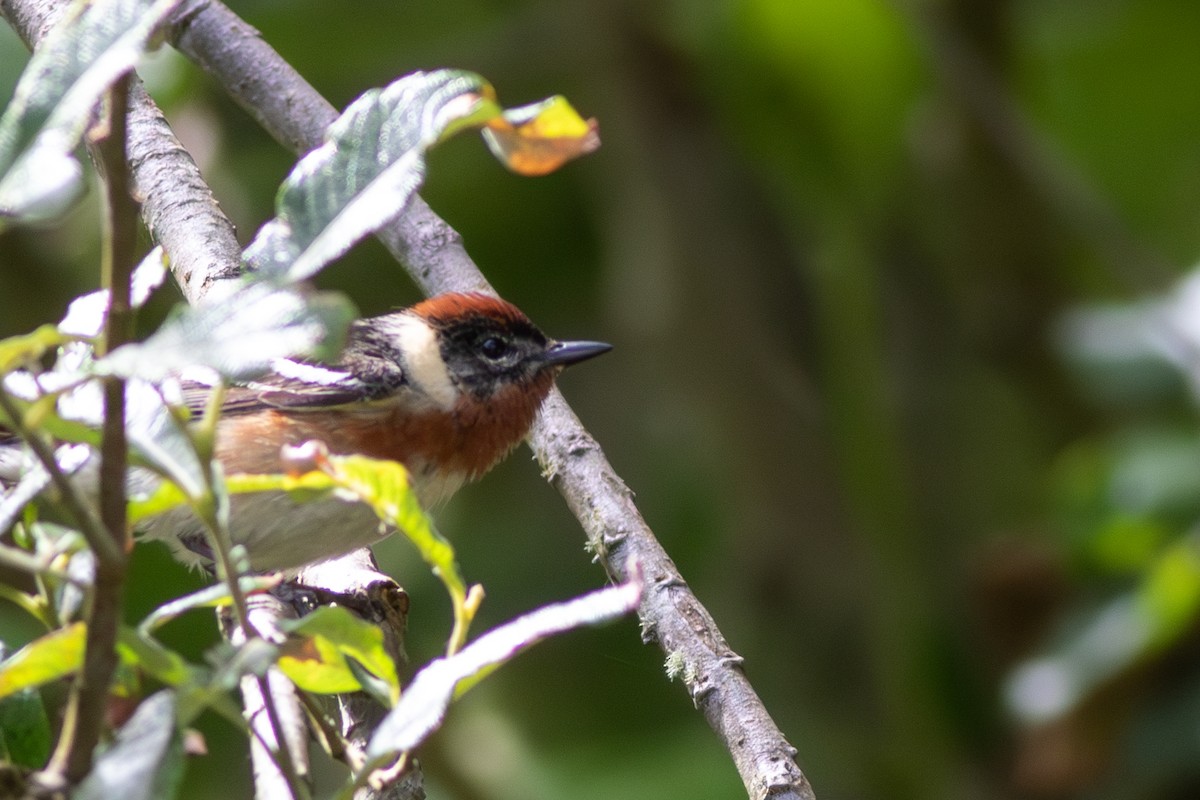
x=494, y=347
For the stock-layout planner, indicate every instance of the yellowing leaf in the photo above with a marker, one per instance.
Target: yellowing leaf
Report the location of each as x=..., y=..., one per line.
x=538, y=139
x=53, y=656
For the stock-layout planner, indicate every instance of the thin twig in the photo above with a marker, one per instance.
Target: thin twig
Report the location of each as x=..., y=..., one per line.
x=180, y=211
x=88, y=704
x=296, y=115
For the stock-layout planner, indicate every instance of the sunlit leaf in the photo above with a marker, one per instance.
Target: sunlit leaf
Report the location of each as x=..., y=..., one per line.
x=155, y=438
x=146, y=760
x=86, y=315
x=316, y=665
x=165, y=497
x=208, y=597
x=427, y=697
x=385, y=486
x=240, y=335
x=373, y=162
x=350, y=636
x=539, y=138
x=49, y=658
x=91, y=46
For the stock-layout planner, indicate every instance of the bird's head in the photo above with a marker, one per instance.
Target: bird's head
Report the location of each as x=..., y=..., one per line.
x=473, y=348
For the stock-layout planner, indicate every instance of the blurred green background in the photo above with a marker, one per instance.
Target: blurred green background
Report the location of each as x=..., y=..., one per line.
x=839, y=245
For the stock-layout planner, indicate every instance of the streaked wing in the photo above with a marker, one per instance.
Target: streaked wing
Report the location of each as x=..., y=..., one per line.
x=322, y=388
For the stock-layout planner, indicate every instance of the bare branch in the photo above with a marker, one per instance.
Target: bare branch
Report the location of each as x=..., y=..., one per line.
x=295, y=114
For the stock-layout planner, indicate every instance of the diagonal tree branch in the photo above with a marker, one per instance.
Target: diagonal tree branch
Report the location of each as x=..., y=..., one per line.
x=295, y=114
x=203, y=251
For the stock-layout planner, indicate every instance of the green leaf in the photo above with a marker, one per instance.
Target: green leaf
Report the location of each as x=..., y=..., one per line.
x=146, y=760
x=385, y=486
x=332, y=626
x=156, y=440
x=238, y=335
x=161, y=663
x=316, y=665
x=53, y=656
x=426, y=699
x=373, y=162
x=92, y=45
x=165, y=497
x=18, y=350
x=25, y=729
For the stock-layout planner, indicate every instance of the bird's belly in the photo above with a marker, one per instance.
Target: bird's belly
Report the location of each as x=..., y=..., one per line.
x=278, y=532
x=281, y=533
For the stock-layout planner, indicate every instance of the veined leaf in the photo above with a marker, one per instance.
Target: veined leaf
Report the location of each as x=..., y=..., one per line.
x=94, y=43
x=428, y=696
x=240, y=335
x=373, y=162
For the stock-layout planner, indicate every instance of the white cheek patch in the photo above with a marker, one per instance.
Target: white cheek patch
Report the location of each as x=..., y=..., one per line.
x=423, y=359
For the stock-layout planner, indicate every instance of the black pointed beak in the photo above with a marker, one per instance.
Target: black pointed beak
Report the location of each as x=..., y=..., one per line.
x=560, y=354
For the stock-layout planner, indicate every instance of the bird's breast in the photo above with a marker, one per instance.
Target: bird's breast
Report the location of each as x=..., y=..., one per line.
x=442, y=450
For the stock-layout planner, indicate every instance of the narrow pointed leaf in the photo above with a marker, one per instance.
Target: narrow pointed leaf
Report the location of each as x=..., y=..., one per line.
x=161, y=663
x=426, y=699
x=92, y=45
x=18, y=350
x=208, y=597
x=385, y=486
